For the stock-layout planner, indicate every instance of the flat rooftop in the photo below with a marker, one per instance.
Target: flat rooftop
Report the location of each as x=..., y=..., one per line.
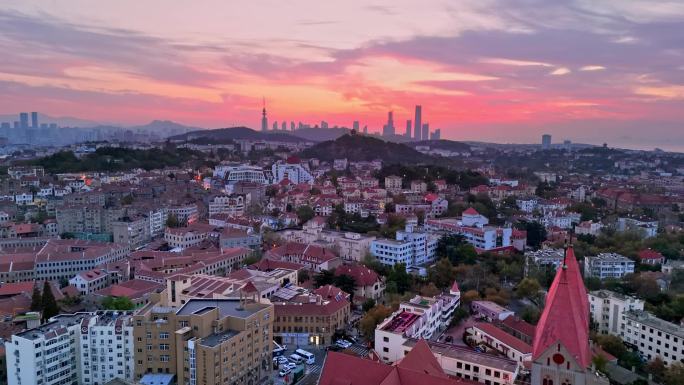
x=226, y=307
x=54, y=328
x=215, y=339
x=468, y=355
x=401, y=322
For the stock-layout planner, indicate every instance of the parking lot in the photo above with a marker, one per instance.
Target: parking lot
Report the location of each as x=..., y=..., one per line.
x=312, y=372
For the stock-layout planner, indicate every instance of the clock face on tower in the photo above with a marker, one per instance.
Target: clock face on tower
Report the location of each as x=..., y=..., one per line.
x=558, y=358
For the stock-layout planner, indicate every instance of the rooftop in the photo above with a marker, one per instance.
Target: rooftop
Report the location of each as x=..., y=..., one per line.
x=468, y=354
x=226, y=307
x=650, y=320
x=401, y=322
x=218, y=338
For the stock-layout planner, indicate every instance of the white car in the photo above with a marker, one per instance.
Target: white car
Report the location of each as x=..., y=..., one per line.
x=290, y=365
x=343, y=344
x=282, y=360
x=284, y=371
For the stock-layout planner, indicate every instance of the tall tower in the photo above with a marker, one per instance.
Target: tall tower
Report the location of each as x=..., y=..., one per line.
x=426, y=131
x=417, y=123
x=34, y=120
x=546, y=141
x=560, y=350
x=408, y=129
x=389, y=127
x=23, y=118
x=264, y=119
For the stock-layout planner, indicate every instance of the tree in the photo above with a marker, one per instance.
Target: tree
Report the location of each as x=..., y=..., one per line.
x=400, y=278
x=371, y=320
x=536, y=233
x=442, y=274
x=674, y=375
x=305, y=213
x=600, y=362
x=612, y=344
x=346, y=283
x=117, y=303
x=49, y=304
x=469, y=296
x=303, y=275
x=368, y=304
x=127, y=200
x=530, y=314
x=429, y=290
x=527, y=288
x=657, y=368
x=36, y=299
x=325, y=277
x=172, y=221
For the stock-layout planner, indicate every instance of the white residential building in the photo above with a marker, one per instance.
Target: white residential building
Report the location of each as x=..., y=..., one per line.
x=607, y=308
x=292, y=170
x=106, y=348
x=652, y=337
x=544, y=257
x=647, y=228
x=608, y=265
x=234, y=173
x=90, y=281
x=421, y=317
x=484, y=238
x=233, y=205
x=527, y=204
x=411, y=248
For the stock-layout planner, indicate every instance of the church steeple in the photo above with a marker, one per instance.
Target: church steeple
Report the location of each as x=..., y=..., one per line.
x=560, y=350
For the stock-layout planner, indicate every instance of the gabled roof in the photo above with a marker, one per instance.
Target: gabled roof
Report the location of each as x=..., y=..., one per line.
x=470, y=211
x=421, y=359
x=565, y=318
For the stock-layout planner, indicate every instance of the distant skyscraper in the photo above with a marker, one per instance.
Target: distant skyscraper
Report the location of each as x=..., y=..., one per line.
x=264, y=119
x=389, y=127
x=365, y=129
x=292, y=126
x=34, y=120
x=284, y=126
x=408, y=129
x=275, y=126
x=355, y=126
x=324, y=124
x=417, y=121
x=546, y=141
x=437, y=134
x=426, y=131
x=23, y=119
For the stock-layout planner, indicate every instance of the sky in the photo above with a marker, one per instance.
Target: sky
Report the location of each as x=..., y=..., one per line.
x=590, y=71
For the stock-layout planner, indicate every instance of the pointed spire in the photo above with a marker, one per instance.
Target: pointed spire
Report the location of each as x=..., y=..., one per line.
x=565, y=318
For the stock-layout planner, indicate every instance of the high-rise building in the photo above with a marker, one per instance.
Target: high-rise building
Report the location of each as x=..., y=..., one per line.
x=388, y=130
x=560, y=350
x=34, y=120
x=436, y=134
x=417, y=123
x=324, y=124
x=264, y=119
x=207, y=341
x=275, y=125
x=546, y=141
x=365, y=129
x=426, y=131
x=292, y=125
x=408, y=129
x=23, y=118
x=283, y=126
x=355, y=126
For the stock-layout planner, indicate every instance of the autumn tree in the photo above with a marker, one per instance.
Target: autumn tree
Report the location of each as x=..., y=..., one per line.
x=371, y=320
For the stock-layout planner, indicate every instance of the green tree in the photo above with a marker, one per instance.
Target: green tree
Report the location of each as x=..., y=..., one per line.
x=536, y=233
x=368, y=304
x=305, y=213
x=371, y=320
x=36, y=299
x=325, y=277
x=528, y=288
x=49, y=304
x=346, y=283
x=117, y=303
x=172, y=221
x=530, y=314
x=442, y=274
x=600, y=362
x=400, y=278
x=302, y=275
x=127, y=200
x=674, y=375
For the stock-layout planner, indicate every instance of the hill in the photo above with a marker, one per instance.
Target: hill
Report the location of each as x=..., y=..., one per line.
x=365, y=148
x=316, y=134
x=442, y=144
x=226, y=135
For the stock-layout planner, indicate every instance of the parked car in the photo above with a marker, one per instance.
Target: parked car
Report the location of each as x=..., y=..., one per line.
x=282, y=360
x=290, y=365
x=343, y=344
x=284, y=372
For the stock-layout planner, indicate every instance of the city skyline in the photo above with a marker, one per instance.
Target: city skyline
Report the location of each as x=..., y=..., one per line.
x=494, y=71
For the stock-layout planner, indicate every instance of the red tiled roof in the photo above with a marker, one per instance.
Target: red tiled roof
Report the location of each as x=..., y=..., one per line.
x=649, y=254
x=565, y=318
x=470, y=211
x=505, y=338
x=520, y=325
x=362, y=275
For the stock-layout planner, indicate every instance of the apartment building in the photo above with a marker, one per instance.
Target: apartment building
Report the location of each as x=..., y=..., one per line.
x=64, y=258
x=234, y=173
x=105, y=350
x=87, y=282
x=410, y=247
x=191, y=235
x=206, y=341
x=466, y=363
x=309, y=318
x=544, y=257
x=185, y=213
x=133, y=231
x=652, y=337
x=491, y=338
x=608, y=265
x=420, y=318
x=228, y=204
x=232, y=237
x=607, y=307
x=45, y=355
x=293, y=170
x=482, y=237
x=393, y=183
x=350, y=246
x=646, y=227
